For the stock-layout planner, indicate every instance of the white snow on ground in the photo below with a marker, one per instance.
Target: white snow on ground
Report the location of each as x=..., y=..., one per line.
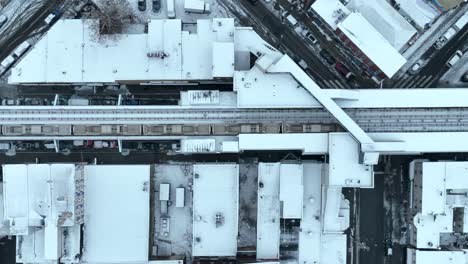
x=217, y=10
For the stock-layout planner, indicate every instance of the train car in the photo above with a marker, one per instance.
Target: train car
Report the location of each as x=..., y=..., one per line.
x=102, y=130
x=220, y=129
x=36, y=130
x=308, y=128
x=160, y=130
x=271, y=129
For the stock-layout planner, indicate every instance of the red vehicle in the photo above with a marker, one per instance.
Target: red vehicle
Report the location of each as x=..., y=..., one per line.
x=341, y=68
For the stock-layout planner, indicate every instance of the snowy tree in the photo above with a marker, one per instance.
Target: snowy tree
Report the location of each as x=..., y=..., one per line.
x=112, y=15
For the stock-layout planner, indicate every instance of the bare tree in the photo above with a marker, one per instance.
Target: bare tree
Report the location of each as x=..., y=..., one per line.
x=112, y=15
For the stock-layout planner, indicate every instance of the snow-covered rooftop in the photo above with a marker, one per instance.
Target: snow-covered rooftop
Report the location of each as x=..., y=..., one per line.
x=437, y=201
x=332, y=11
x=215, y=209
x=268, y=211
x=372, y=44
x=164, y=53
x=39, y=206
x=419, y=11
x=428, y=256
x=116, y=213
x=386, y=20
x=291, y=190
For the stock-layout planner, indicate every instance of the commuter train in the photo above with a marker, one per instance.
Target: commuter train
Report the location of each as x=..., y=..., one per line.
x=164, y=130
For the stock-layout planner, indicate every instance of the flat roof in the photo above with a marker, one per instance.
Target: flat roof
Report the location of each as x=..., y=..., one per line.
x=419, y=11
x=291, y=94
x=439, y=256
x=372, y=44
x=268, y=211
x=345, y=167
x=28, y=192
x=215, y=209
x=310, y=235
x=164, y=53
x=116, y=234
x=332, y=11
x=291, y=190
x=436, y=212
x=386, y=20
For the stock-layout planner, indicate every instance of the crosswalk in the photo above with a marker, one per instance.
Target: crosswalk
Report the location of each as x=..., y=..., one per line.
x=414, y=81
x=330, y=84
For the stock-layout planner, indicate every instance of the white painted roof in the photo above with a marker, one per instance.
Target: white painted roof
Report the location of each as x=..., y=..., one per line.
x=291, y=190
x=268, y=211
x=372, y=44
x=386, y=20
x=215, y=192
x=130, y=56
x=116, y=234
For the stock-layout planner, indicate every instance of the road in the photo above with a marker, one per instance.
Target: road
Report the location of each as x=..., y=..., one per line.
x=283, y=37
x=23, y=31
x=436, y=66
x=7, y=250
x=328, y=41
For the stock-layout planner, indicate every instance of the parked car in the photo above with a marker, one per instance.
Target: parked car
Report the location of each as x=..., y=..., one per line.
x=416, y=67
x=327, y=56
x=142, y=5
x=3, y=20
x=455, y=58
x=49, y=19
x=156, y=5
x=308, y=35
x=465, y=77
x=388, y=247
x=343, y=70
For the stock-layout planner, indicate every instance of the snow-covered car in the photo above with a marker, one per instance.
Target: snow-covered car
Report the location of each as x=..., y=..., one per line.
x=7, y=62
x=416, y=67
x=49, y=19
